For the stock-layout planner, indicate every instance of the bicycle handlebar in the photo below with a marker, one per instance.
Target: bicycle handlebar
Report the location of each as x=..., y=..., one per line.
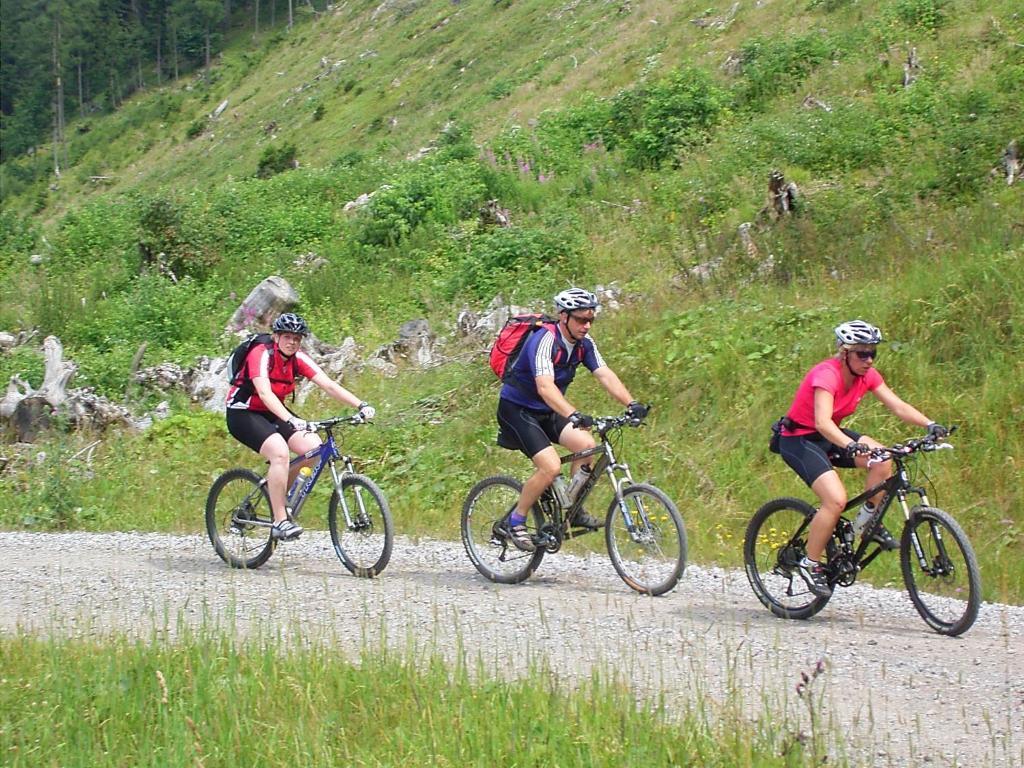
x=317, y=426
x=605, y=424
x=927, y=444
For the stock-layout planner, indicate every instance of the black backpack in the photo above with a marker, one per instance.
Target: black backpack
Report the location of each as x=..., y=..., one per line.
x=236, y=360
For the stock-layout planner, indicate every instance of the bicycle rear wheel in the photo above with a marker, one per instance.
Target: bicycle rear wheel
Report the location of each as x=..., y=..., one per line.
x=943, y=577
x=238, y=519
x=487, y=504
x=362, y=539
x=775, y=540
x=646, y=540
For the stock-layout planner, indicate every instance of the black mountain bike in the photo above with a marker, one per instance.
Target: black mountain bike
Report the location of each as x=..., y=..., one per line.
x=643, y=529
x=939, y=567
x=238, y=514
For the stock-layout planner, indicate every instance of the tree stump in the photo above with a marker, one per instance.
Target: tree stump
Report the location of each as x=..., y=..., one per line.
x=782, y=196
x=31, y=418
x=911, y=67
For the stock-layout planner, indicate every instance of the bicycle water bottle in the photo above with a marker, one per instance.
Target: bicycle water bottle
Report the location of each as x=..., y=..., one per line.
x=300, y=480
x=578, y=481
x=862, y=518
x=560, y=491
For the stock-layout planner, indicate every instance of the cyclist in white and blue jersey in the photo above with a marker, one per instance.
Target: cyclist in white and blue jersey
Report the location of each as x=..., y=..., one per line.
x=534, y=413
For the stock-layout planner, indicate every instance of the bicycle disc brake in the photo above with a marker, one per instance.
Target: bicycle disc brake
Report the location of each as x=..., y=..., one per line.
x=240, y=518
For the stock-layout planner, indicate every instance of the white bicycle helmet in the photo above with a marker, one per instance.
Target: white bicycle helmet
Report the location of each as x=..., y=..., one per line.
x=290, y=323
x=575, y=298
x=857, y=332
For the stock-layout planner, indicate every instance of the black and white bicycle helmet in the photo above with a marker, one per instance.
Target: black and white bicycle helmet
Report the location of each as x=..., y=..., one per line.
x=290, y=323
x=575, y=298
x=857, y=332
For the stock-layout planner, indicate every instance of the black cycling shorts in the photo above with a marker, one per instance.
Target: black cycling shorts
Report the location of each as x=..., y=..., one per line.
x=527, y=429
x=252, y=428
x=811, y=456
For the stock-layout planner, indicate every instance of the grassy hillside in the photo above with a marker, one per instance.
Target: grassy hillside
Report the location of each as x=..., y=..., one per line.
x=627, y=148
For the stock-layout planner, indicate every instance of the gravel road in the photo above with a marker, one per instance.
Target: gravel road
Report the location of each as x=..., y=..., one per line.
x=901, y=694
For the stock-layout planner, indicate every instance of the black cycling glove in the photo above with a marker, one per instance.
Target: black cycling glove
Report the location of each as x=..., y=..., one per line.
x=637, y=410
x=854, y=449
x=937, y=430
x=581, y=420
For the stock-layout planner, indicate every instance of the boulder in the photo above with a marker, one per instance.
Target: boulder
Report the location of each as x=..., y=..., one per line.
x=264, y=303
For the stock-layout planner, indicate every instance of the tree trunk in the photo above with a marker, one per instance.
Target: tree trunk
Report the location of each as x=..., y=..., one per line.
x=174, y=48
x=58, y=99
x=290, y=19
x=256, y=28
x=138, y=48
x=81, y=90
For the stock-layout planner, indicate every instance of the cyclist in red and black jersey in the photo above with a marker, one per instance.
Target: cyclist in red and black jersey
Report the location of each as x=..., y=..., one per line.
x=258, y=418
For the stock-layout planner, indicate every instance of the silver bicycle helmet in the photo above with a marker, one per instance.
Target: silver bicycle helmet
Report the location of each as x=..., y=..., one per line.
x=290, y=323
x=575, y=298
x=857, y=332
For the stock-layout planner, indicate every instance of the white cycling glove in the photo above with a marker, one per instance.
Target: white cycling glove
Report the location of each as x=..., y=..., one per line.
x=299, y=425
x=367, y=411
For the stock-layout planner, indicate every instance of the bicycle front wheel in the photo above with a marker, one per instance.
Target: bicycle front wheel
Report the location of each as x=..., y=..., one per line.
x=361, y=527
x=497, y=558
x=238, y=519
x=646, y=539
x=940, y=571
x=775, y=541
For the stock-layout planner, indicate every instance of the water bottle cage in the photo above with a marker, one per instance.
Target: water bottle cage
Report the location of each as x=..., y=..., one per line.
x=873, y=521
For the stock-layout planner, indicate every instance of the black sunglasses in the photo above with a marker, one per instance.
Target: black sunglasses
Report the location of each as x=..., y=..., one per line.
x=865, y=354
x=582, y=320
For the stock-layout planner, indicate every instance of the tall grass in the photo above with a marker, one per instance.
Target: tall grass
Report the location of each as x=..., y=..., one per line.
x=212, y=700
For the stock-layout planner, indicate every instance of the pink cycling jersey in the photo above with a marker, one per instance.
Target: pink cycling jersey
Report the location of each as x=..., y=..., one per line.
x=828, y=375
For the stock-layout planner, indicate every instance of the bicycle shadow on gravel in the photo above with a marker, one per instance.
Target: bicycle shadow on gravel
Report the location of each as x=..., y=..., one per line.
x=847, y=623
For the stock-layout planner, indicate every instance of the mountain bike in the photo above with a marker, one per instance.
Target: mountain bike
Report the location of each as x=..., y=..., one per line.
x=239, y=518
x=939, y=567
x=643, y=529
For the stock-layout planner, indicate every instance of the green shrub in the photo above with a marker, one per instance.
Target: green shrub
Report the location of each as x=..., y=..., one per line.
x=169, y=238
x=777, y=65
x=174, y=320
x=24, y=361
x=18, y=235
x=103, y=232
x=850, y=136
x=674, y=114
x=277, y=158
x=432, y=191
x=517, y=262
x=651, y=124
x=919, y=15
x=196, y=128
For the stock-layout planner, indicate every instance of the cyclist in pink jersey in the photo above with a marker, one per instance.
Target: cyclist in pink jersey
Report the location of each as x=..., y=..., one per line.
x=258, y=418
x=813, y=443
